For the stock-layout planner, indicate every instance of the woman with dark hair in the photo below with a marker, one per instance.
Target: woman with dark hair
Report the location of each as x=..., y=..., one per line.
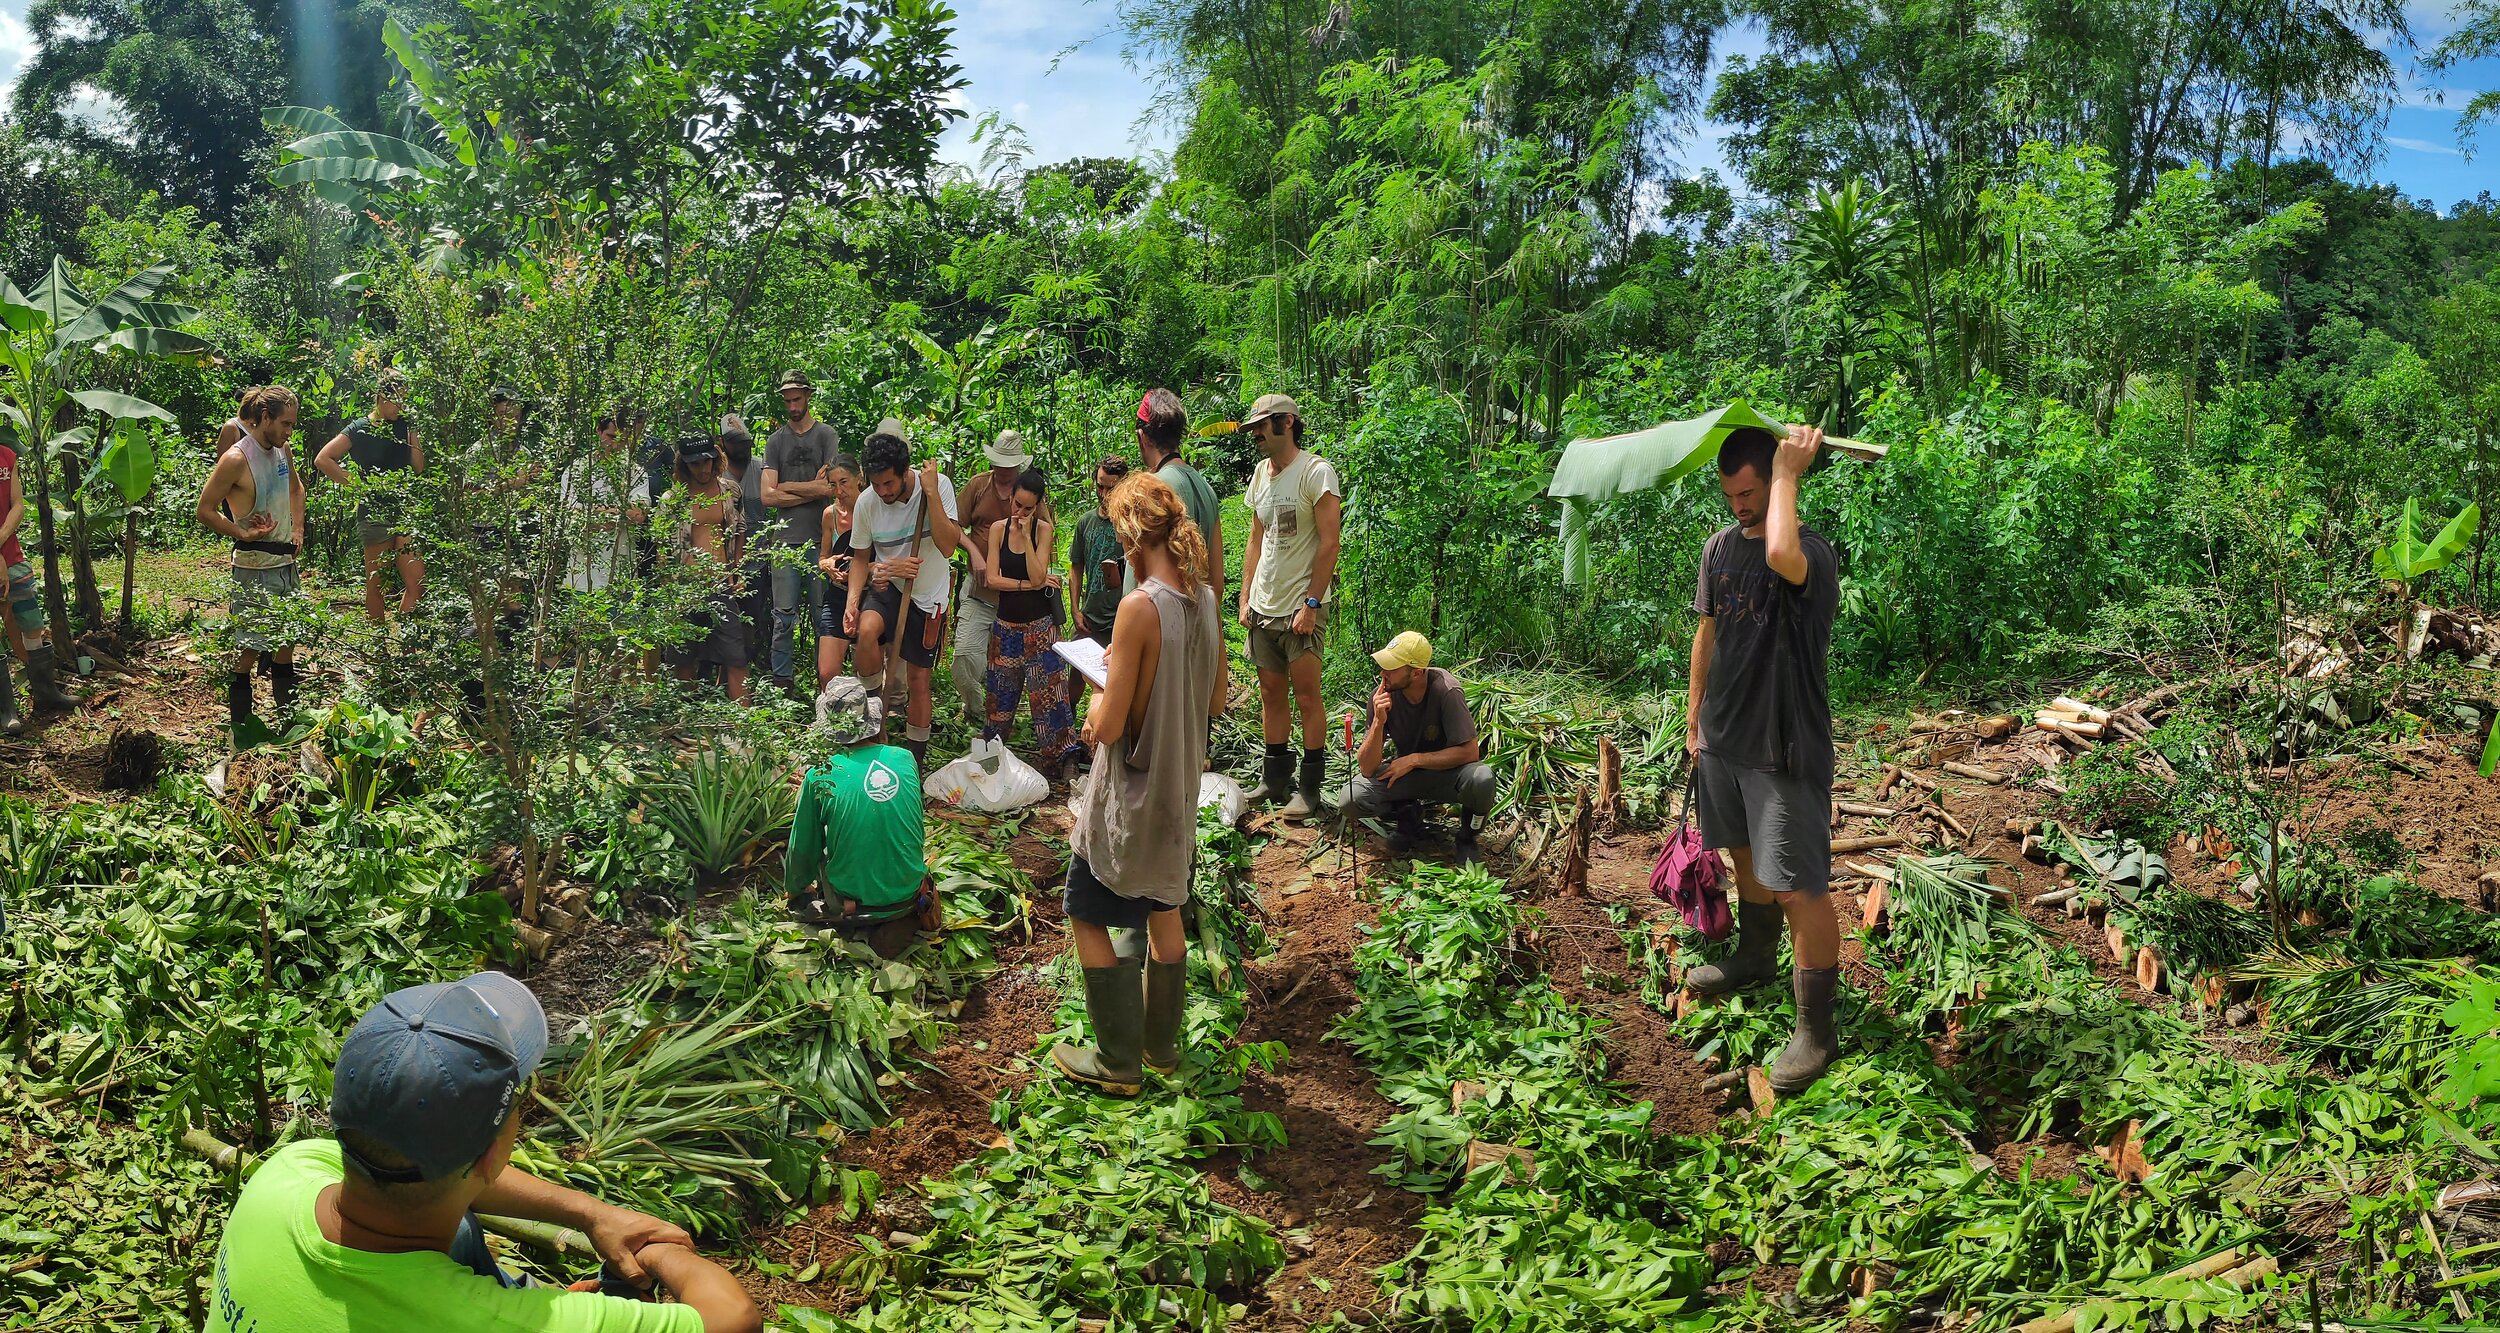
x=1022, y=665
x=833, y=565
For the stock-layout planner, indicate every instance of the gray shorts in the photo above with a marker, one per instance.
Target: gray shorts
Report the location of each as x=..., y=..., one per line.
x=723, y=641
x=255, y=591
x=1784, y=818
x=1274, y=645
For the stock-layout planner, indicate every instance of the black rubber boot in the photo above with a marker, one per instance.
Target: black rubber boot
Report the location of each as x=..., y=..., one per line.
x=1115, y=1002
x=1306, y=802
x=282, y=678
x=1406, y=827
x=42, y=694
x=1167, y=997
x=1468, y=853
x=1757, y=956
x=238, y=703
x=1815, y=1044
x=1275, y=776
x=10, y=723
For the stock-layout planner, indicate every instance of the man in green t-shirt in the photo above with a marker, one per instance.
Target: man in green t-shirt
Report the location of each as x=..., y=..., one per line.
x=373, y=1231
x=856, y=859
x=1096, y=559
x=1162, y=422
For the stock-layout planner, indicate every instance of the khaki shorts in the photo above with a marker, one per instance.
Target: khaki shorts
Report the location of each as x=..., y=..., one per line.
x=1273, y=644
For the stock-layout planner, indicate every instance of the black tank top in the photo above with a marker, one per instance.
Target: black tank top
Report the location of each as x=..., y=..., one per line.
x=1022, y=606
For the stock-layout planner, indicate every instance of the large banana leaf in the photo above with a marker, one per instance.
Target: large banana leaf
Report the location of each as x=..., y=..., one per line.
x=126, y=306
x=2407, y=558
x=18, y=310
x=300, y=120
x=359, y=145
x=130, y=461
x=121, y=405
x=1611, y=465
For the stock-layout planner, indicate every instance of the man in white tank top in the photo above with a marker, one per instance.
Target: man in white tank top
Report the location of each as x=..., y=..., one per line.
x=255, y=499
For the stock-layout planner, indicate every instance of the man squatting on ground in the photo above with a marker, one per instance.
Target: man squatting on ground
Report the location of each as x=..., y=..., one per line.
x=255, y=499
x=904, y=526
x=375, y=1230
x=1136, y=832
x=1286, y=578
x=21, y=610
x=381, y=443
x=1761, y=734
x=1420, y=710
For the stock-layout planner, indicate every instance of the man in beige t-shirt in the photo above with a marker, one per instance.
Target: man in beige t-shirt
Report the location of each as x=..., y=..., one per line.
x=1295, y=516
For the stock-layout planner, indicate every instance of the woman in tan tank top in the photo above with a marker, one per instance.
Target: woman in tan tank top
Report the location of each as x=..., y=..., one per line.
x=1137, y=818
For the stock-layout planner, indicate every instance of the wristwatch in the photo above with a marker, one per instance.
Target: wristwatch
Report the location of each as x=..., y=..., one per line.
x=1311, y=602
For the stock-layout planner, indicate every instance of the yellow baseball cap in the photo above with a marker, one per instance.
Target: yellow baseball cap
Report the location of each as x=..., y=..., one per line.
x=1408, y=649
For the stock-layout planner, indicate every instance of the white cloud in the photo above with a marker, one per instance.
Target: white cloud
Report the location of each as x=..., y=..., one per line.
x=2421, y=146
x=17, y=46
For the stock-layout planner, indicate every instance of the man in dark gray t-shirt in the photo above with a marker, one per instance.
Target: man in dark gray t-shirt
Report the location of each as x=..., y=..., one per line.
x=794, y=465
x=1760, y=732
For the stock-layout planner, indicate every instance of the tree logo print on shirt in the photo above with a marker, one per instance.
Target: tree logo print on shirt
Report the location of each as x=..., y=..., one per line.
x=883, y=783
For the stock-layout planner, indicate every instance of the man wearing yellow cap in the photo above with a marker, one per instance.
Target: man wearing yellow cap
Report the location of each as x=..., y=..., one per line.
x=1420, y=710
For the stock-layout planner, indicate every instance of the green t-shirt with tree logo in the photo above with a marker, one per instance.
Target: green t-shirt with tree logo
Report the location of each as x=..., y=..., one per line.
x=857, y=831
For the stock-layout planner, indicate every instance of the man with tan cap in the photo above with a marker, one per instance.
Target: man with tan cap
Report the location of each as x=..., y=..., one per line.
x=794, y=485
x=380, y=444
x=1286, y=577
x=985, y=500
x=1420, y=711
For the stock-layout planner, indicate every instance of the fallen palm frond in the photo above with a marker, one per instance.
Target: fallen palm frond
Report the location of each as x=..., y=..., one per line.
x=2382, y=1014
x=2193, y=932
x=1948, y=927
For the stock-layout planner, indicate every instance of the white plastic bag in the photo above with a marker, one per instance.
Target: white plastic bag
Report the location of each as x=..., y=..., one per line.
x=991, y=779
x=1225, y=794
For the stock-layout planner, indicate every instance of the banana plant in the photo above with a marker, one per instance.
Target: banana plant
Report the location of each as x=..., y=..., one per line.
x=2406, y=560
x=50, y=338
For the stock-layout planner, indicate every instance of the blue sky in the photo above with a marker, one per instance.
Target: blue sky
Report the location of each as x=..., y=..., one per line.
x=1055, y=68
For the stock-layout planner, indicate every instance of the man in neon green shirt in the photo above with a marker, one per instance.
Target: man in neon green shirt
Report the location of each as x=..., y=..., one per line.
x=857, y=834
x=373, y=1231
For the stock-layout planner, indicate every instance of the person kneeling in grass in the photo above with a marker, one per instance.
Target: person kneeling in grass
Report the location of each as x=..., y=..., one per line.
x=374, y=1230
x=1420, y=710
x=857, y=858
x=1137, y=818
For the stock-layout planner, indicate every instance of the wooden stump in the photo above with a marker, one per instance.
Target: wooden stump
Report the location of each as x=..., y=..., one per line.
x=1758, y=1087
x=1609, y=781
x=1871, y=908
x=2148, y=968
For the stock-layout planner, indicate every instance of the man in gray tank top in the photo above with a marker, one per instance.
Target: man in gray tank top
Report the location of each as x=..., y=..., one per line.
x=255, y=499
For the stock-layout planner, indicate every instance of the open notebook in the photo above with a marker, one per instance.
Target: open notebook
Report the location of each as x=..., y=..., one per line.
x=1088, y=657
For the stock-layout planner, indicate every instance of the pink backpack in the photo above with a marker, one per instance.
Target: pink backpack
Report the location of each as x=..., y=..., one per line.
x=1686, y=874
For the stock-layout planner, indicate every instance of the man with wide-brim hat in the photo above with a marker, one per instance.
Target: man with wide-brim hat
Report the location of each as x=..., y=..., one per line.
x=1288, y=573
x=376, y=1229
x=1422, y=750
x=985, y=500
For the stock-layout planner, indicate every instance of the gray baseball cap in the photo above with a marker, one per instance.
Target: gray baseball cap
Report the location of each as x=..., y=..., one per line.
x=431, y=1071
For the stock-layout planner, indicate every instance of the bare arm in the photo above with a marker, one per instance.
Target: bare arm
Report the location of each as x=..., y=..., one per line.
x=708, y=1287
x=1329, y=513
x=1375, y=736
x=416, y=450
x=988, y=569
x=328, y=459
x=942, y=526
x=1215, y=557
x=222, y=479
x=295, y=483
x=1455, y=756
x=1044, y=545
x=1137, y=629
x=11, y=521
x=1250, y=562
x=1783, y=547
x=1697, y=680
x=226, y=436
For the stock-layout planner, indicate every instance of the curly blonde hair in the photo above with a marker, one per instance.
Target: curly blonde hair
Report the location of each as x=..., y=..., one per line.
x=1147, y=512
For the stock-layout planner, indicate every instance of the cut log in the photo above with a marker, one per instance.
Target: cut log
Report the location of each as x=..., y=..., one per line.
x=2081, y=731
x=1758, y=1087
x=2077, y=906
x=1869, y=844
x=1918, y=779
x=2124, y=1154
x=2018, y=825
x=2058, y=897
x=1946, y=818
x=2034, y=848
x=2116, y=935
x=1884, y=785
x=1462, y=1092
x=1609, y=781
x=1999, y=727
x=2069, y=704
x=1871, y=908
x=1866, y=811
x=2148, y=968
x=1975, y=773
x=1519, y=1161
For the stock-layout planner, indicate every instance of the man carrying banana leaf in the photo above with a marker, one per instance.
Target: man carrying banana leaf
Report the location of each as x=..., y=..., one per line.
x=856, y=859
x=375, y=1231
x=1760, y=733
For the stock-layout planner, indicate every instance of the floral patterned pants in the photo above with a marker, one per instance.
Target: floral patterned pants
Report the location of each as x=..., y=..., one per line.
x=1023, y=666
